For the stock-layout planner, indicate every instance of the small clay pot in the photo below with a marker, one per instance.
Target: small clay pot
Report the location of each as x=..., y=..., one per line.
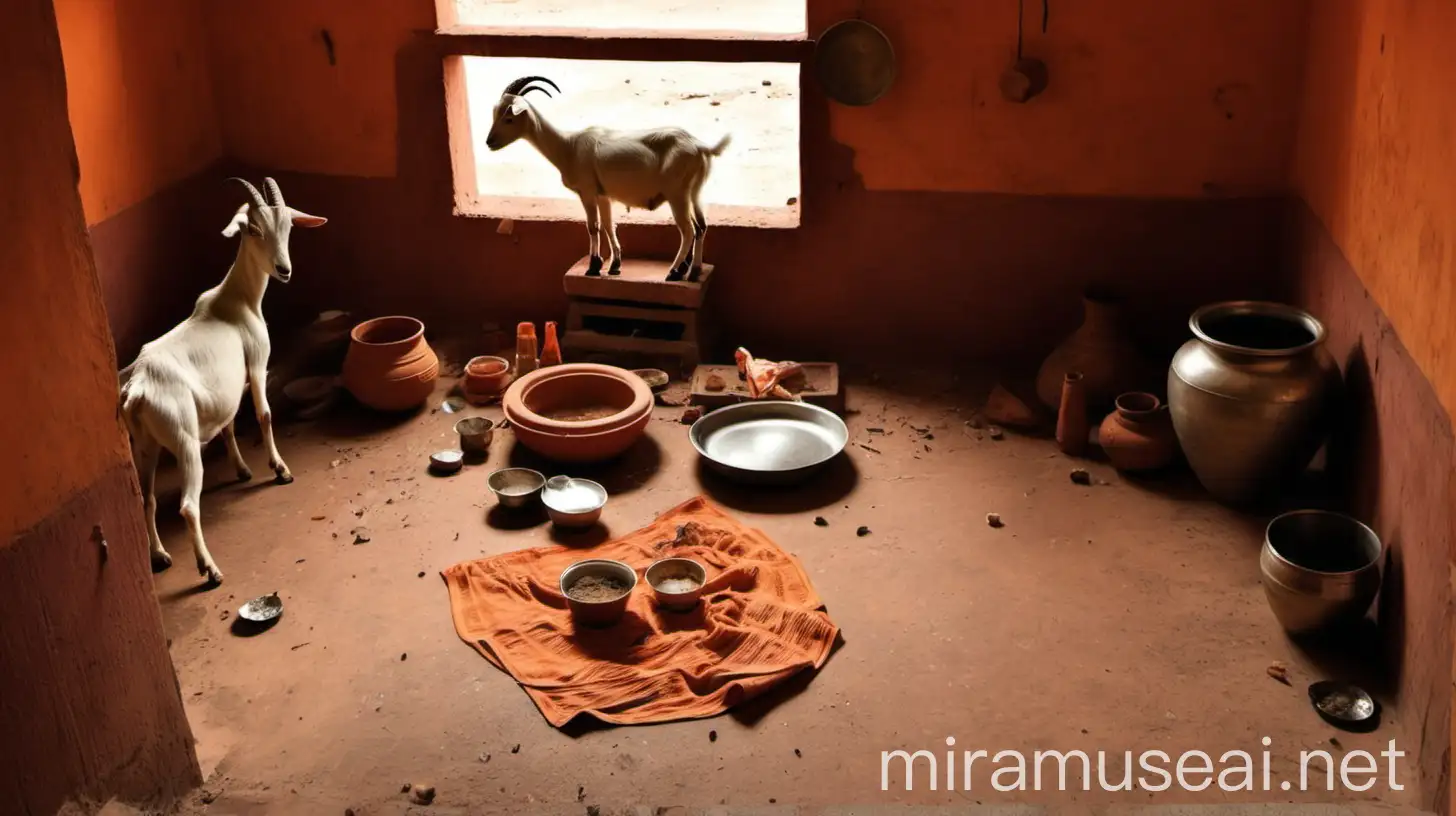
x=485, y=378
x=1138, y=436
x=540, y=406
x=389, y=366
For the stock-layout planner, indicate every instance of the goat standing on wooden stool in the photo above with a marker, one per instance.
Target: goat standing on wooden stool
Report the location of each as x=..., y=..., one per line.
x=187, y=385
x=640, y=169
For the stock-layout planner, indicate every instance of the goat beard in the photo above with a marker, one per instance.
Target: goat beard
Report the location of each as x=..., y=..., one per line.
x=764, y=377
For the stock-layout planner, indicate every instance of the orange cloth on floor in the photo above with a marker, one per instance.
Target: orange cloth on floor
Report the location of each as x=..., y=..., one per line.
x=759, y=623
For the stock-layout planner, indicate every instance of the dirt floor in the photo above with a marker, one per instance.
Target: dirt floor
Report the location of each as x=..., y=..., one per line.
x=1118, y=616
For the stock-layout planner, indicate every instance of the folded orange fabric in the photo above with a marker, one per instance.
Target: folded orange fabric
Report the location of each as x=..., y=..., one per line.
x=759, y=623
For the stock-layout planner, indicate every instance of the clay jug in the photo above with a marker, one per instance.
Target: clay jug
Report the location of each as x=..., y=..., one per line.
x=389, y=366
x=1107, y=358
x=1138, y=436
x=1072, y=425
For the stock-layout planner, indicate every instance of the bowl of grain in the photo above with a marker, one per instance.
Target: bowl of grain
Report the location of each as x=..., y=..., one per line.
x=597, y=590
x=516, y=487
x=676, y=583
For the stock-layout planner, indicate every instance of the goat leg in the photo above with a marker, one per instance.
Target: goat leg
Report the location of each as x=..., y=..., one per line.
x=229, y=435
x=594, y=235
x=256, y=380
x=683, y=261
x=609, y=231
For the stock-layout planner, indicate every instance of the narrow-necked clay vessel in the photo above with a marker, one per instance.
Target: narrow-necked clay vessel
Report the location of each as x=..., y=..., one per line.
x=1072, y=424
x=389, y=366
x=1138, y=436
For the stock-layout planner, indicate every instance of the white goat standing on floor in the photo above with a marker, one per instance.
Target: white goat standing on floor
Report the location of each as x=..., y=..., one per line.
x=187, y=385
x=640, y=169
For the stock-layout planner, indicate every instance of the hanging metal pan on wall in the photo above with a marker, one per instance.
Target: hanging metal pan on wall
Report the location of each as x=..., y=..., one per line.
x=855, y=62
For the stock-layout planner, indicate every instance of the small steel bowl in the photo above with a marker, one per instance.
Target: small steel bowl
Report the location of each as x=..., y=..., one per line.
x=446, y=462
x=516, y=487
x=262, y=609
x=1343, y=705
x=598, y=613
x=1320, y=569
x=562, y=497
x=475, y=435
x=669, y=568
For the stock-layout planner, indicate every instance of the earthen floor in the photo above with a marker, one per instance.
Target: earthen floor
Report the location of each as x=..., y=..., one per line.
x=1120, y=616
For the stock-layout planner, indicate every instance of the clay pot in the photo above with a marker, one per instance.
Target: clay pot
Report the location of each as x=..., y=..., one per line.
x=485, y=378
x=1072, y=425
x=389, y=366
x=1252, y=397
x=1138, y=437
x=578, y=412
x=1109, y=361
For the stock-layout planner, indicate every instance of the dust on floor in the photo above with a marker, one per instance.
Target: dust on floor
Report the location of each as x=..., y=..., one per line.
x=1113, y=616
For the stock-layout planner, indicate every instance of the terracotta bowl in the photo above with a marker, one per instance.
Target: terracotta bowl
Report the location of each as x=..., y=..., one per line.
x=579, y=412
x=486, y=377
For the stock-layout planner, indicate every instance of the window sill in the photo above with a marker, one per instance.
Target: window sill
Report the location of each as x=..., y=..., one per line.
x=521, y=208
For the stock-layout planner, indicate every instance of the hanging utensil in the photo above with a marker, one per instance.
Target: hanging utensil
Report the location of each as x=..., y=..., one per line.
x=854, y=62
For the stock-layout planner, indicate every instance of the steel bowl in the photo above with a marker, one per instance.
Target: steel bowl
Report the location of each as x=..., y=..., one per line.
x=475, y=435
x=679, y=568
x=1320, y=569
x=516, y=487
x=598, y=613
x=573, y=502
x=262, y=609
x=770, y=441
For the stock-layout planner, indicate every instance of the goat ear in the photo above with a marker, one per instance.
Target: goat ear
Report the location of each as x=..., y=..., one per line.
x=240, y=220
x=518, y=107
x=303, y=219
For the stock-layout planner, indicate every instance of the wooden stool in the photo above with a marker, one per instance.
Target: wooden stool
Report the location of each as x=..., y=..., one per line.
x=639, y=312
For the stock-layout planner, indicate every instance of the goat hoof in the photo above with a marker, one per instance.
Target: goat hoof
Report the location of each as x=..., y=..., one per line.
x=160, y=561
x=696, y=274
x=677, y=274
x=245, y=475
x=616, y=268
x=282, y=476
x=594, y=268
x=213, y=574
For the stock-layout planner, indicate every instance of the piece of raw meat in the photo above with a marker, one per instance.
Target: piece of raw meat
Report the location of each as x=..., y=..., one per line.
x=763, y=376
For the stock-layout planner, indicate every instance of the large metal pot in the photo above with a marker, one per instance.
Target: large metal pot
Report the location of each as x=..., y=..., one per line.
x=1251, y=397
x=1320, y=569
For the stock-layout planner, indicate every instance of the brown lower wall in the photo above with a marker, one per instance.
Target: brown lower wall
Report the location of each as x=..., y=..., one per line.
x=1393, y=463
x=942, y=275
x=89, y=704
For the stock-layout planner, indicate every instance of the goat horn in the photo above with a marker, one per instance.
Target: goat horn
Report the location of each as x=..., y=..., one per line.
x=273, y=191
x=522, y=86
x=252, y=191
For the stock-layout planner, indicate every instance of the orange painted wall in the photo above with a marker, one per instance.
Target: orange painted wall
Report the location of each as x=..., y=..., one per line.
x=1146, y=98
x=1376, y=161
x=1159, y=99
x=139, y=88
x=288, y=107
x=60, y=430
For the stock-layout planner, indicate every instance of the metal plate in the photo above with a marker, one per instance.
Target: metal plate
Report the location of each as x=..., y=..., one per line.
x=262, y=609
x=855, y=62
x=769, y=442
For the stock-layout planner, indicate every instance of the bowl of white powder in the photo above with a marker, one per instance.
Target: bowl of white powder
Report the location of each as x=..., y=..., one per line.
x=573, y=502
x=676, y=583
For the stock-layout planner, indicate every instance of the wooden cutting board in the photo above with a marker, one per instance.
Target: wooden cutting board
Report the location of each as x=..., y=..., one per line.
x=821, y=386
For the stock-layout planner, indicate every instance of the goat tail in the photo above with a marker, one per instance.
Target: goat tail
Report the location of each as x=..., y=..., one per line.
x=722, y=145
